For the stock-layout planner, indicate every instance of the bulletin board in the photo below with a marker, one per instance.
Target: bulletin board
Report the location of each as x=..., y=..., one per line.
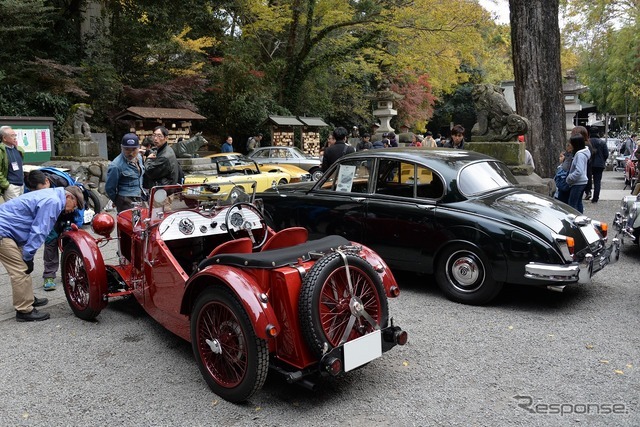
x=35, y=136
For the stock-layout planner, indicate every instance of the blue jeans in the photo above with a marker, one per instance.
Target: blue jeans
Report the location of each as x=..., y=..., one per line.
x=575, y=197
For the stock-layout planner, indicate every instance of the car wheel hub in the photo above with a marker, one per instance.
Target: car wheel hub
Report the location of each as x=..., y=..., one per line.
x=465, y=271
x=214, y=345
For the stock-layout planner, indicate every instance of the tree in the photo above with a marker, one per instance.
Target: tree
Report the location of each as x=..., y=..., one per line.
x=535, y=38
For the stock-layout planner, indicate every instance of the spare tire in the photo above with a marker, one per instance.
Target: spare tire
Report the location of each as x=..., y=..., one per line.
x=326, y=305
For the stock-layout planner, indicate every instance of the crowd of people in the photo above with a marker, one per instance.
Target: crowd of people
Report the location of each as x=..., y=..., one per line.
x=53, y=201
x=579, y=174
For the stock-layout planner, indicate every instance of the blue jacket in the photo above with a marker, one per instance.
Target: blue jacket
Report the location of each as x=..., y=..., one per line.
x=578, y=172
x=123, y=178
x=29, y=218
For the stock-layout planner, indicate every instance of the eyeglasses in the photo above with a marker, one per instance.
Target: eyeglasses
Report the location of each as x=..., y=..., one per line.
x=158, y=135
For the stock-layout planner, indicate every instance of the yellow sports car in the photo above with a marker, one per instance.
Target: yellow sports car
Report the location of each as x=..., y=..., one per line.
x=238, y=172
x=295, y=173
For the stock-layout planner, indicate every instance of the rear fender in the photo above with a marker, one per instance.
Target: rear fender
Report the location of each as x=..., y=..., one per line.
x=93, y=262
x=242, y=285
x=381, y=267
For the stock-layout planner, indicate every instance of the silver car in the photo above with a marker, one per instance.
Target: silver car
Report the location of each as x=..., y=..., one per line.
x=290, y=156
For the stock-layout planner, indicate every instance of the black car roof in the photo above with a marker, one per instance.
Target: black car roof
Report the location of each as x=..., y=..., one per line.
x=445, y=157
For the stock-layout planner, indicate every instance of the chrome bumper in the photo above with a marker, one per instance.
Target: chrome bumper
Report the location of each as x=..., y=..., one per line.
x=623, y=229
x=580, y=272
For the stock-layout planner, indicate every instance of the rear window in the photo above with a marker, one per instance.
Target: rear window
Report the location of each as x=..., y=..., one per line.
x=482, y=177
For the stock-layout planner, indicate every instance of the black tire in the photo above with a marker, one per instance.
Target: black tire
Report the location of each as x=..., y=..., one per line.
x=316, y=174
x=282, y=181
x=76, y=284
x=93, y=201
x=464, y=274
x=324, y=301
x=240, y=368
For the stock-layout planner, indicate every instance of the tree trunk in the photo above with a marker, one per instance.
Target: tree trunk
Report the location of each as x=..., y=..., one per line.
x=535, y=41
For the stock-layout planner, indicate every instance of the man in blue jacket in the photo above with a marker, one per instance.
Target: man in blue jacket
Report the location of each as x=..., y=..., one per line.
x=125, y=173
x=25, y=222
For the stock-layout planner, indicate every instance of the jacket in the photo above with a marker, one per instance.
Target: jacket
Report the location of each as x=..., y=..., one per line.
x=123, y=178
x=578, y=172
x=600, y=153
x=4, y=165
x=28, y=219
x=333, y=153
x=163, y=170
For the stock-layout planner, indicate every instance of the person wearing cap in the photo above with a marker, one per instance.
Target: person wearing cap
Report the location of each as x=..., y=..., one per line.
x=125, y=173
x=40, y=179
x=25, y=223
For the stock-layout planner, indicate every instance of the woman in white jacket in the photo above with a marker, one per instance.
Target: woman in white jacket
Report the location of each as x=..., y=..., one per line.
x=577, y=177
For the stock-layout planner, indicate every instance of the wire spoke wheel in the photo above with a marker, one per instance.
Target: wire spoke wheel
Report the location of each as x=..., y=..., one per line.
x=231, y=358
x=76, y=283
x=336, y=308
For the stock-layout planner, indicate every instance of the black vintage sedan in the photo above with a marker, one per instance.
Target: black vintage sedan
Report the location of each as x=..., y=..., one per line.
x=456, y=214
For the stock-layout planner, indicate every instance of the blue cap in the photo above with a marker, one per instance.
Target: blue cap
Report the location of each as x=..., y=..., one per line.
x=130, y=140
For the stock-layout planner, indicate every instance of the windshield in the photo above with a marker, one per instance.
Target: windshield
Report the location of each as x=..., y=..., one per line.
x=481, y=177
x=301, y=153
x=236, y=165
x=171, y=198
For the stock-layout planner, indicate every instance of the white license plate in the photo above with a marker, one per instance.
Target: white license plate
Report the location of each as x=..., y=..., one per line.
x=362, y=350
x=590, y=234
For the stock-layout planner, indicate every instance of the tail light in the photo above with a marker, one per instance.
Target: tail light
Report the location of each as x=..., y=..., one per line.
x=333, y=365
x=272, y=331
x=602, y=227
x=401, y=337
x=571, y=245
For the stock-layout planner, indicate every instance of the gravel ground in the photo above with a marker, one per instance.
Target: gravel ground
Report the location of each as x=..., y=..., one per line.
x=575, y=352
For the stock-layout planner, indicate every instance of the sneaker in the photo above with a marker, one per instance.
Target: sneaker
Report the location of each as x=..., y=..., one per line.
x=49, y=284
x=34, y=316
x=587, y=196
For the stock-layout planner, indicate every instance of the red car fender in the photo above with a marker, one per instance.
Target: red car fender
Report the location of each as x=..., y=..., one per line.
x=243, y=285
x=93, y=262
x=388, y=281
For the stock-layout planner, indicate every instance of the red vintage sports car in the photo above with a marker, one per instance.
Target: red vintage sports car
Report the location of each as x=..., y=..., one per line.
x=247, y=299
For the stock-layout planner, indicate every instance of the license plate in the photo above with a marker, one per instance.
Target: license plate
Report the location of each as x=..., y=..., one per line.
x=362, y=350
x=590, y=234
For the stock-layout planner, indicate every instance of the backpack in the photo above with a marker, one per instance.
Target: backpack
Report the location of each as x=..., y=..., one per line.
x=560, y=179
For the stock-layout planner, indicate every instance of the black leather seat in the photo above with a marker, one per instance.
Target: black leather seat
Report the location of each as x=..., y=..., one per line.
x=277, y=257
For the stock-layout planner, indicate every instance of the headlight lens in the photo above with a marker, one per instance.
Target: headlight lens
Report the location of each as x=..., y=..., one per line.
x=627, y=201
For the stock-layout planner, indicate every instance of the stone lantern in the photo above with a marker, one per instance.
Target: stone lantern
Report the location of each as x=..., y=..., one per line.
x=384, y=112
x=571, y=89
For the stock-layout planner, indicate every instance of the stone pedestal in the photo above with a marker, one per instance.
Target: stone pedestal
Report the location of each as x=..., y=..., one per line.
x=78, y=146
x=512, y=154
x=197, y=165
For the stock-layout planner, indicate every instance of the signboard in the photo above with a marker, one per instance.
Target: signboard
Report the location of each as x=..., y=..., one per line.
x=35, y=136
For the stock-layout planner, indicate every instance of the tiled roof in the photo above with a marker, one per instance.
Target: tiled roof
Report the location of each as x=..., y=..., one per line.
x=159, y=113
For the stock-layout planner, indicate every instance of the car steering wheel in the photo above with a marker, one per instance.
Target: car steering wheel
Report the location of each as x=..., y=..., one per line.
x=236, y=221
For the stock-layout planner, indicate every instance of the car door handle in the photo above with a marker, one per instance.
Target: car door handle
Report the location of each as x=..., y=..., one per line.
x=358, y=199
x=426, y=207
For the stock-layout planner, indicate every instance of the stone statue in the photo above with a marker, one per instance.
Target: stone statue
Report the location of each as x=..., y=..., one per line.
x=187, y=148
x=76, y=124
x=496, y=119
